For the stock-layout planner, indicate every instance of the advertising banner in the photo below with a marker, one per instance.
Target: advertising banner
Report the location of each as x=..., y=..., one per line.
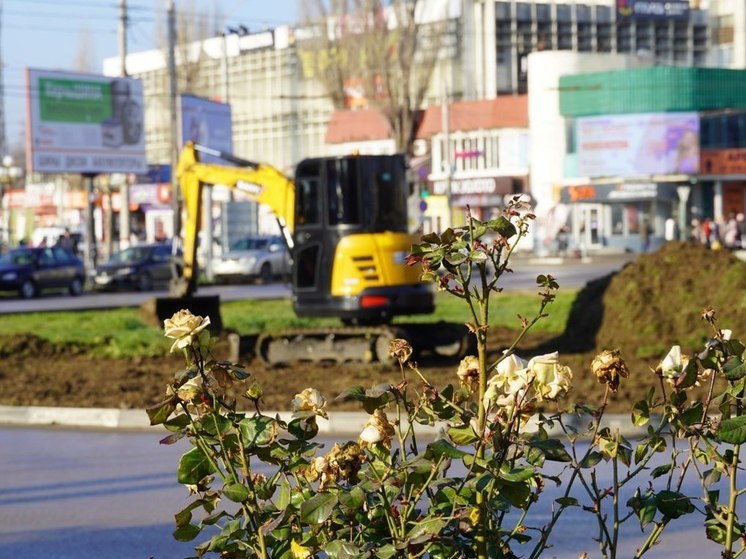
x=82, y=123
x=637, y=145
x=207, y=123
x=653, y=9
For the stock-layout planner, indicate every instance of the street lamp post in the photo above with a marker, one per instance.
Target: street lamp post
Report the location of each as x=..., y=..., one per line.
x=9, y=174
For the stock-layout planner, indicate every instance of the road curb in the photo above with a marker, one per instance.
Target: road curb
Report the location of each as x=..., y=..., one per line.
x=342, y=423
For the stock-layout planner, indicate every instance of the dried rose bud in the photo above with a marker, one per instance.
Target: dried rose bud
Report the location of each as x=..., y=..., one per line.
x=708, y=314
x=468, y=371
x=609, y=368
x=400, y=349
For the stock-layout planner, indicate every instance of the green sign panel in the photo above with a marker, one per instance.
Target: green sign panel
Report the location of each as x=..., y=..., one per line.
x=77, y=101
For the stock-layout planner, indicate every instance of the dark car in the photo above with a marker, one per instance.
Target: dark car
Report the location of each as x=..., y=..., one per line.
x=31, y=270
x=139, y=267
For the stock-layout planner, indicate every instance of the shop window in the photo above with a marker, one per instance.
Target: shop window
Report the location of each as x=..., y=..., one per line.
x=617, y=219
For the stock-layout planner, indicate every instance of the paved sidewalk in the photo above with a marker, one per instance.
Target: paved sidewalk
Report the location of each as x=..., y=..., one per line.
x=341, y=423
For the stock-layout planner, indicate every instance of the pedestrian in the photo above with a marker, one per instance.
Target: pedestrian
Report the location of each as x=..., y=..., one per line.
x=741, y=229
x=66, y=241
x=644, y=233
x=730, y=232
x=670, y=229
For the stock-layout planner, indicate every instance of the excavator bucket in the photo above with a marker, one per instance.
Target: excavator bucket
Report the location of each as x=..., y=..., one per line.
x=154, y=311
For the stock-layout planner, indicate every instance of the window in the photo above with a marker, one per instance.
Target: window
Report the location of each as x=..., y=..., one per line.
x=307, y=193
x=342, y=181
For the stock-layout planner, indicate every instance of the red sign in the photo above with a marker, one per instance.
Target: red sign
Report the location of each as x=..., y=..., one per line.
x=723, y=161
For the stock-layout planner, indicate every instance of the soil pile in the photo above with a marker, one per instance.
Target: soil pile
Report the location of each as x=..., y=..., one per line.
x=653, y=303
x=644, y=309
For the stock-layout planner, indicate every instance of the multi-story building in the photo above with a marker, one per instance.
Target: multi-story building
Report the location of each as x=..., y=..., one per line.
x=502, y=33
x=281, y=115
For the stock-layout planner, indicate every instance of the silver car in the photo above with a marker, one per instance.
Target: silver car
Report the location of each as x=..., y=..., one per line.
x=253, y=258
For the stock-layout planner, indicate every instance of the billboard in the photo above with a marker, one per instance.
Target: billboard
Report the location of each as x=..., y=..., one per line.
x=208, y=123
x=82, y=123
x=639, y=144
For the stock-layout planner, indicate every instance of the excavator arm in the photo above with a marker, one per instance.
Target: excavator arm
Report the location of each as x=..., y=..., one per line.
x=264, y=183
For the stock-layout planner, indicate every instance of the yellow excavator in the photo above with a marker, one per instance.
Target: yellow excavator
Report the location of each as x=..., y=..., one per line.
x=344, y=220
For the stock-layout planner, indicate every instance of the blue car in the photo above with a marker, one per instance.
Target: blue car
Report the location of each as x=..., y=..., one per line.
x=31, y=270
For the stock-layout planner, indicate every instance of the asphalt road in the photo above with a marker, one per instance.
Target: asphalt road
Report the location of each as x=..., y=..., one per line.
x=570, y=274
x=72, y=494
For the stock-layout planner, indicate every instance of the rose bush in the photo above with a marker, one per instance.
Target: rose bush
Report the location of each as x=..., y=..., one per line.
x=471, y=489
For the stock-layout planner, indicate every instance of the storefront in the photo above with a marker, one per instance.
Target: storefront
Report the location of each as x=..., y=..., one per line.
x=621, y=216
x=483, y=196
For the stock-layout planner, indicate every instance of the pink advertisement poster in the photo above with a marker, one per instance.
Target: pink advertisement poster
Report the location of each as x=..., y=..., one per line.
x=638, y=145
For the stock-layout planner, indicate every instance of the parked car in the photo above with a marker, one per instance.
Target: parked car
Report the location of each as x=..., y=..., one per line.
x=253, y=258
x=31, y=270
x=138, y=267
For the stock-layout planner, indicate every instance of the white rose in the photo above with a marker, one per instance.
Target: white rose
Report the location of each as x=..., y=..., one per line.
x=673, y=364
x=511, y=375
x=550, y=378
x=308, y=403
x=378, y=430
x=182, y=327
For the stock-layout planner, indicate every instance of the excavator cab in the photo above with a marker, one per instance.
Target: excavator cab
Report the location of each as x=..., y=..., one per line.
x=351, y=241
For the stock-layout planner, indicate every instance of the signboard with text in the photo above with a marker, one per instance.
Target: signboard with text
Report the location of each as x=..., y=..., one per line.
x=653, y=9
x=82, y=123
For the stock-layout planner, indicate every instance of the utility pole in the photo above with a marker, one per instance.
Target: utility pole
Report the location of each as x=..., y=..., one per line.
x=124, y=188
x=445, y=124
x=3, y=138
x=173, y=92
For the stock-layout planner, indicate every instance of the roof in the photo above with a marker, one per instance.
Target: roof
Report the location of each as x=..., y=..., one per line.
x=357, y=125
x=507, y=111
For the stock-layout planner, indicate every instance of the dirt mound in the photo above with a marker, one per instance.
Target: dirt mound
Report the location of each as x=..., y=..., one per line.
x=642, y=310
x=656, y=301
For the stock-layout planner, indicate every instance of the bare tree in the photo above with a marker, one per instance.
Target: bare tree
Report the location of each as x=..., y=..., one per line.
x=192, y=27
x=386, y=50
x=85, y=54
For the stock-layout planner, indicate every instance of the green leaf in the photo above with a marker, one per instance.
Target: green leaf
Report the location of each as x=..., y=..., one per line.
x=186, y=533
x=733, y=430
x=734, y=368
x=716, y=533
x=352, y=500
x=455, y=259
x=193, y=467
x=283, y=495
x=236, y=492
x=318, y=508
x=553, y=450
x=640, y=413
x=591, y=459
x=339, y=549
x=567, y=501
x=518, y=474
x=673, y=504
x=429, y=526
x=502, y=226
x=442, y=447
x=516, y=493
x=661, y=470
x=462, y=435
x=161, y=411
x=386, y=552
x=258, y=431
